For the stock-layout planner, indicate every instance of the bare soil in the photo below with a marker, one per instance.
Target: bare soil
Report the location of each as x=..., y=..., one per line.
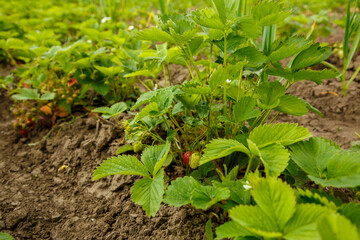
x=46, y=190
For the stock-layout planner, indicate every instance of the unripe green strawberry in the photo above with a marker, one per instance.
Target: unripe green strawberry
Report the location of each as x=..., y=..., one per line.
x=69, y=100
x=138, y=146
x=128, y=130
x=82, y=76
x=125, y=123
x=194, y=160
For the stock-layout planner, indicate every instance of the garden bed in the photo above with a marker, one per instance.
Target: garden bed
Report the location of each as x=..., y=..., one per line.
x=47, y=192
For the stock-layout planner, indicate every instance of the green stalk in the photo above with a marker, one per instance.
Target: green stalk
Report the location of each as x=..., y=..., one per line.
x=143, y=84
x=225, y=49
x=267, y=113
x=349, y=55
x=190, y=70
x=353, y=49
x=329, y=65
x=225, y=83
x=211, y=57
x=245, y=7
x=191, y=57
x=165, y=75
x=351, y=80
x=240, y=83
x=167, y=68
x=173, y=120
x=347, y=30
x=209, y=117
x=162, y=6
x=249, y=166
x=240, y=11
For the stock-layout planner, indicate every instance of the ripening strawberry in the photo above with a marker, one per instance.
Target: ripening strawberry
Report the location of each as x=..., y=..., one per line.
x=186, y=158
x=138, y=146
x=24, y=133
x=26, y=85
x=72, y=81
x=194, y=160
x=30, y=123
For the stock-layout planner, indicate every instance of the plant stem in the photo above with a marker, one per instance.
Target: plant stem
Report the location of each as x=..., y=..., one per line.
x=165, y=75
x=192, y=61
x=143, y=84
x=240, y=81
x=352, y=79
x=171, y=117
x=211, y=57
x=167, y=68
x=329, y=65
x=275, y=117
x=267, y=113
x=190, y=70
x=225, y=49
x=249, y=166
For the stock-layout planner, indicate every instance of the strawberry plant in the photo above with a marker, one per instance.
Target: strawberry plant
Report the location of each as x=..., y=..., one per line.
x=228, y=98
x=214, y=141
x=216, y=126
x=278, y=215
x=148, y=191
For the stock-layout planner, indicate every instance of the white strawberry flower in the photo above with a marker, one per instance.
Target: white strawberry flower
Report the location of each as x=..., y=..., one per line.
x=105, y=19
x=247, y=186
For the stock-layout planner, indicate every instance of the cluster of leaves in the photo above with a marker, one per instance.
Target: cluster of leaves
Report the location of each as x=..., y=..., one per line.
x=60, y=58
x=217, y=120
x=219, y=115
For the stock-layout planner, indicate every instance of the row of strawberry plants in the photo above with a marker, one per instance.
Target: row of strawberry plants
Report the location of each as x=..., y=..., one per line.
x=216, y=122
x=213, y=124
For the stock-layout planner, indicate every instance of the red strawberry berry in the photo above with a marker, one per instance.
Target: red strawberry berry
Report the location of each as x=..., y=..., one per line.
x=72, y=81
x=26, y=85
x=30, y=123
x=186, y=158
x=24, y=133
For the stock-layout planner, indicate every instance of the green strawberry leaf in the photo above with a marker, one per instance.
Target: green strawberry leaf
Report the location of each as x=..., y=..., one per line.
x=269, y=13
x=337, y=227
x=310, y=56
x=154, y=35
x=282, y=133
x=26, y=94
x=275, y=159
x=148, y=193
x=5, y=236
x=203, y=197
x=122, y=165
x=219, y=148
x=244, y=109
x=113, y=111
x=154, y=157
x=208, y=18
x=303, y=225
x=315, y=76
x=179, y=192
x=283, y=49
x=292, y=105
x=218, y=77
x=276, y=200
x=327, y=165
x=238, y=193
x=231, y=229
x=269, y=94
x=352, y=212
